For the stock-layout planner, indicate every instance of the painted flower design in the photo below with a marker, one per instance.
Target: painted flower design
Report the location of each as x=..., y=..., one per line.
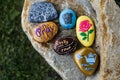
x=84, y=27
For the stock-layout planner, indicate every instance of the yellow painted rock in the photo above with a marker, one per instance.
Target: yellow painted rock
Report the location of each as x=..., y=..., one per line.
x=85, y=31
x=44, y=32
x=87, y=60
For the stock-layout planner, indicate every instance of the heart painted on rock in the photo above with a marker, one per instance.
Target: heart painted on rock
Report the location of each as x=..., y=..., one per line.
x=87, y=60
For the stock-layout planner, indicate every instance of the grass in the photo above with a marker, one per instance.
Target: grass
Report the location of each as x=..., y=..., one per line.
x=18, y=59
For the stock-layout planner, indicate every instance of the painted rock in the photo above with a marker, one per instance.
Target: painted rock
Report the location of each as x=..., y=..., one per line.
x=65, y=45
x=67, y=18
x=42, y=12
x=44, y=32
x=87, y=60
x=85, y=31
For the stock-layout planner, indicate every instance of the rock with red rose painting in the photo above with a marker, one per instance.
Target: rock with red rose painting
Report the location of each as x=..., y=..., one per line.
x=85, y=31
x=44, y=32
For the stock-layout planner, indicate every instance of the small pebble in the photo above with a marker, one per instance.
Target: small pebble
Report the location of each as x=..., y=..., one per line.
x=67, y=19
x=42, y=12
x=87, y=60
x=44, y=32
x=85, y=31
x=65, y=45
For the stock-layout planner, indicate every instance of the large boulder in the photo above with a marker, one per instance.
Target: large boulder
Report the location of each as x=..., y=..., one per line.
x=107, y=39
x=105, y=14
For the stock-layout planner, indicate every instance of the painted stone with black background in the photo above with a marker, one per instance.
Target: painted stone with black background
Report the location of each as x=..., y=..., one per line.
x=42, y=12
x=65, y=45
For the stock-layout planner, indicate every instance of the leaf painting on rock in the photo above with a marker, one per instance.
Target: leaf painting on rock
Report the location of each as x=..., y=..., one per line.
x=84, y=27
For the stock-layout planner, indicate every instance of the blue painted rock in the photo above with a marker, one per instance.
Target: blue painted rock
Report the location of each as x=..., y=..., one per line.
x=42, y=12
x=65, y=45
x=44, y=32
x=87, y=60
x=67, y=18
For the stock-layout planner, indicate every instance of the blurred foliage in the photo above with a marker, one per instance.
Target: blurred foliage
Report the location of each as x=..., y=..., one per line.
x=18, y=59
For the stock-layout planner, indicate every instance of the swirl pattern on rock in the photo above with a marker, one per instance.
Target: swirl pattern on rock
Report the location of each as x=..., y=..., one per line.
x=65, y=45
x=42, y=12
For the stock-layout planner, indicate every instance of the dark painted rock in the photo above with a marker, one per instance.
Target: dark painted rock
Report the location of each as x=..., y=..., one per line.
x=67, y=18
x=42, y=12
x=65, y=45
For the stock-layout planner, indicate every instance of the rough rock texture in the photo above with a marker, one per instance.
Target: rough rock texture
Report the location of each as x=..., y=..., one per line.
x=105, y=14
x=108, y=39
x=42, y=12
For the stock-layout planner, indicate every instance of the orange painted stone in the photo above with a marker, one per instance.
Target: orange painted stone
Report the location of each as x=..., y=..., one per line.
x=44, y=32
x=87, y=60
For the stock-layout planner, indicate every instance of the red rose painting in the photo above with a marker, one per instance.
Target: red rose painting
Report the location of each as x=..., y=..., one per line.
x=84, y=27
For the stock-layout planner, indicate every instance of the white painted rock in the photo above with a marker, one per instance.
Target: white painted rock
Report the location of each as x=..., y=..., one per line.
x=105, y=15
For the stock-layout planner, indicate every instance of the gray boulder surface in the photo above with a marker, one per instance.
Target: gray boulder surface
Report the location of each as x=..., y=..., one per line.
x=105, y=15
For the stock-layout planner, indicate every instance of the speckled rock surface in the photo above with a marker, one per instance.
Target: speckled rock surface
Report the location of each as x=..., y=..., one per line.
x=105, y=14
x=42, y=12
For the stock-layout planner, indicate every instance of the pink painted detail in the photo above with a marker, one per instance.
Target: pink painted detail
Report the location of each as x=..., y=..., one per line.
x=84, y=26
x=38, y=32
x=48, y=30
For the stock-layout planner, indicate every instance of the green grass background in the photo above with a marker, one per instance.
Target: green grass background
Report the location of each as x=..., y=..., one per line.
x=18, y=59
